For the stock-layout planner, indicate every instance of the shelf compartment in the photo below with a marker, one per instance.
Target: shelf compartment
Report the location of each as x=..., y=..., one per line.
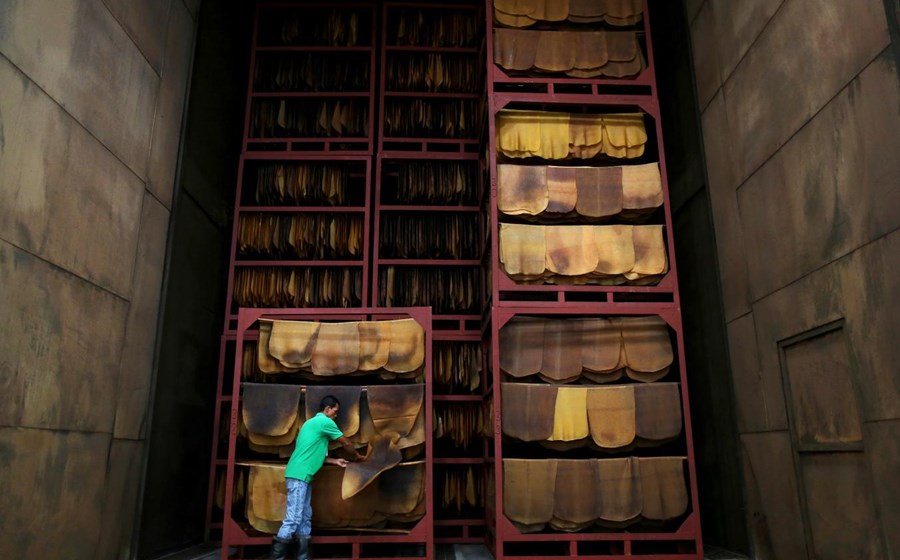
x=321, y=26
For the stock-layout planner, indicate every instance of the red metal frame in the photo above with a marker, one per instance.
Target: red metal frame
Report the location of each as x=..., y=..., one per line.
x=504, y=530
x=233, y=535
x=358, y=145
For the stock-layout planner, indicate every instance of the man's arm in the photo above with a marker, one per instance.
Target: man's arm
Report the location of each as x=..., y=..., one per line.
x=351, y=449
x=338, y=462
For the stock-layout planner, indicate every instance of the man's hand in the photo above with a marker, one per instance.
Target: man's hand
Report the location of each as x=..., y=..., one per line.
x=338, y=462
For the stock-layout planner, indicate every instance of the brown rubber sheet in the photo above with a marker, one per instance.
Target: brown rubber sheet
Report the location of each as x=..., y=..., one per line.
x=382, y=454
x=583, y=254
x=618, y=483
x=292, y=342
x=528, y=492
x=521, y=346
x=611, y=415
x=407, y=350
x=647, y=347
x=526, y=410
x=630, y=192
x=270, y=409
x=395, y=408
x=525, y=13
x=658, y=407
x=663, y=488
x=579, y=54
x=337, y=349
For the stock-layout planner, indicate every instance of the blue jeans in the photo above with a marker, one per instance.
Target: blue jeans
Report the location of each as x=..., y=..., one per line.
x=298, y=516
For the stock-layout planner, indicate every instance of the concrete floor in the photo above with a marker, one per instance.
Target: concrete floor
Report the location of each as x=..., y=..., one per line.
x=444, y=552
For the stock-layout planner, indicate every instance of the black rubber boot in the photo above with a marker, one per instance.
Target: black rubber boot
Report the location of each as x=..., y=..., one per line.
x=279, y=549
x=303, y=549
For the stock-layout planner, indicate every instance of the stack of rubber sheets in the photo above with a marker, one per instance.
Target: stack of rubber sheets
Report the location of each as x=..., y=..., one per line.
x=606, y=255
x=319, y=236
x=398, y=495
x=433, y=72
x=461, y=487
x=446, y=289
x=577, y=54
x=389, y=419
x=324, y=118
x=525, y=13
x=442, y=183
x=301, y=184
x=426, y=27
x=457, y=366
x=602, y=349
x=611, y=417
x=558, y=136
x=310, y=286
x=575, y=494
x=391, y=348
x=629, y=192
x=429, y=118
x=461, y=423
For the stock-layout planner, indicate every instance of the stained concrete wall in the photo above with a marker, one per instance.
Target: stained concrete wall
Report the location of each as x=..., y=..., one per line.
x=175, y=492
x=91, y=108
x=800, y=104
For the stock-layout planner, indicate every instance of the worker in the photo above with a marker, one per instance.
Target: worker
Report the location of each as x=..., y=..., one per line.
x=310, y=453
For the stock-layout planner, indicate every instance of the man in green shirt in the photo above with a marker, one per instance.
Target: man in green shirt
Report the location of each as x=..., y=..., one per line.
x=310, y=453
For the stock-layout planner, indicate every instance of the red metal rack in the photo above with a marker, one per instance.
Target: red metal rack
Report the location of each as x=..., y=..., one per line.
x=353, y=546
x=504, y=290
x=360, y=144
x=621, y=544
x=509, y=299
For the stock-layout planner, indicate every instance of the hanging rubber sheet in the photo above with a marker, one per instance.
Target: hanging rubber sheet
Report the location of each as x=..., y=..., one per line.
x=574, y=494
x=391, y=348
x=600, y=349
x=583, y=254
x=567, y=193
x=558, y=136
x=577, y=54
x=398, y=495
x=609, y=417
x=271, y=415
x=525, y=13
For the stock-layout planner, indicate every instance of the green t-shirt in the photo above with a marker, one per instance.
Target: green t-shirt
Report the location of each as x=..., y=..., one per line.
x=312, y=447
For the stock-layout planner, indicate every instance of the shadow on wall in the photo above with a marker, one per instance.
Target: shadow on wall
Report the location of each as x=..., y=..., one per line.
x=175, y=488
x=720, y=482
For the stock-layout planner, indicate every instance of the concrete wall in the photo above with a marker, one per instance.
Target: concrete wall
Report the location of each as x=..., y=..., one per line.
x=800, y=103
x=91, y=107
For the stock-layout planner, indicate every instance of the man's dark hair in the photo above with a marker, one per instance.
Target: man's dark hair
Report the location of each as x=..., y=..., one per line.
x=328, y=401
